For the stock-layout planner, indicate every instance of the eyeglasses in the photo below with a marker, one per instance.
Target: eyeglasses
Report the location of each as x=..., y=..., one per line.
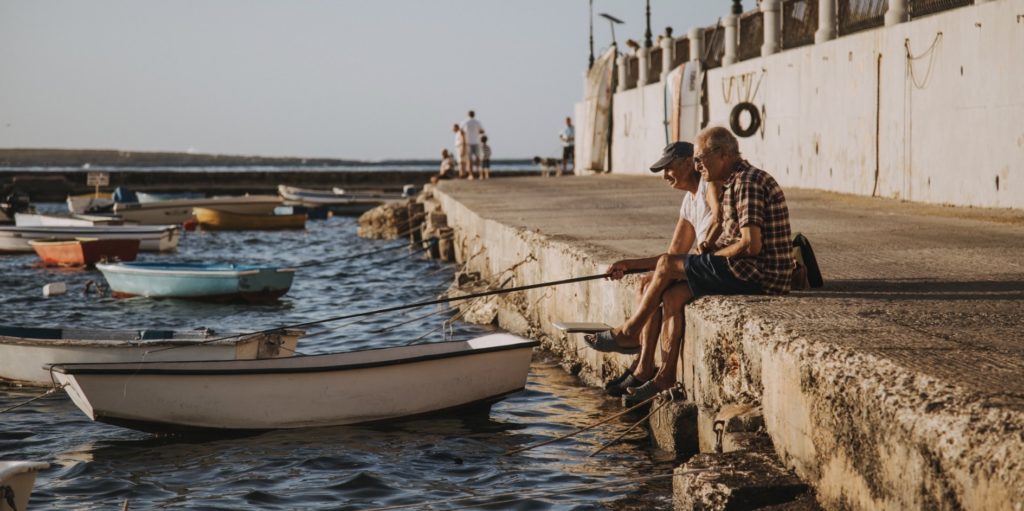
x=699, y=159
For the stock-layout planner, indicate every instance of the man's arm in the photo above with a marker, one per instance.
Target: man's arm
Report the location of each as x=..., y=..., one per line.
x=682, y=240
x=749, y=244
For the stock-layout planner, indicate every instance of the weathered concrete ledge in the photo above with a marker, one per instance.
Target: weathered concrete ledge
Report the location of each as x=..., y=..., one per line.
x=900, y=385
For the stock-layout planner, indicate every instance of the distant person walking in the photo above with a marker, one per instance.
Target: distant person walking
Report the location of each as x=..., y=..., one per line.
x=568, y=138
x=473, y=130
x=485, y=163
x=462, y=150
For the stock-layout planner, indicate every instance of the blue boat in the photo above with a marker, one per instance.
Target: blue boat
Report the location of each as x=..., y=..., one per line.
x=198, y=281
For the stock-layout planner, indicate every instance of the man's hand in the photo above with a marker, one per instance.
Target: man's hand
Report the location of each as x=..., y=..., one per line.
x=616, y=270
x=703, y=247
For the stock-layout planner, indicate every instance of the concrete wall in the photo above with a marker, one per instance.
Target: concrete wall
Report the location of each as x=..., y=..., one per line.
x=840, y=113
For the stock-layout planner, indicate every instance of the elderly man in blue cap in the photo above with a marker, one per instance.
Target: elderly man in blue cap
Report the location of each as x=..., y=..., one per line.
x=644, y=379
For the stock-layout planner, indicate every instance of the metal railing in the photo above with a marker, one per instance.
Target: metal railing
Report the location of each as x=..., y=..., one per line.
x=654, y=65
x=799, y=22
x=682, y=53
x=751, y=35
x=918, y=8
x=714, y=46
x=857, y=15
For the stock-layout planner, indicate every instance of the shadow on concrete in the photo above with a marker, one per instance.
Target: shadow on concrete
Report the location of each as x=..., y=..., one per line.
x=888, y=289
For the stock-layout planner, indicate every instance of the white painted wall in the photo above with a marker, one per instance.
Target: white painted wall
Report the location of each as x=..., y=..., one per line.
x=943, y=142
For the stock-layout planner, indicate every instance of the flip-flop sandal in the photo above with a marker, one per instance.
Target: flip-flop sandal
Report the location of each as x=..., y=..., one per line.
x=605, y=342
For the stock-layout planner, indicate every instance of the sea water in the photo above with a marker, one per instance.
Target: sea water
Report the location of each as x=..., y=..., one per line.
x=451, y=461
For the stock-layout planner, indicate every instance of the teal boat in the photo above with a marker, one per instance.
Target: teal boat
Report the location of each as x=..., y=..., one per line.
x=198, y=281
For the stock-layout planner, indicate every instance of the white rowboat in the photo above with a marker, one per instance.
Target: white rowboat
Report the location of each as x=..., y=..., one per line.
x=25, y=351
x=296, y=392
x=151, y=237
x=176, y=211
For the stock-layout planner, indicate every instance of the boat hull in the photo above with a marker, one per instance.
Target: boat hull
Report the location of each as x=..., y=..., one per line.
x=19, y=477
x=24, y=352
x=85, y=252
x=176, y=211
x=312, y=391
x=217, y=220
x=197, y=281
x=151, y=238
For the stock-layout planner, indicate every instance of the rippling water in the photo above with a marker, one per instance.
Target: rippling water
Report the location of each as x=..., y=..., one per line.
x=413, y=462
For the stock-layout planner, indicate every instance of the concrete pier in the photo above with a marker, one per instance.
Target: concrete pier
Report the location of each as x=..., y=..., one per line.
x=899, y=385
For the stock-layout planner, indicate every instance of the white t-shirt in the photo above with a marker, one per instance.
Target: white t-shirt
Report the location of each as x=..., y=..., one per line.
x=696, y=211
x=472, y=127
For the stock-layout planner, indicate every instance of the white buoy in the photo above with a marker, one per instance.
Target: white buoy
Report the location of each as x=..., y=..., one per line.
x=54, y=289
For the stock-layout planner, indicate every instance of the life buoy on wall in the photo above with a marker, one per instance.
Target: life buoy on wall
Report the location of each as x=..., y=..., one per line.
x=734, y=119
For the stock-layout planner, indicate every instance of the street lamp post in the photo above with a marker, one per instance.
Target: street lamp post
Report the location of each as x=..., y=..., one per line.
x=612, y=21
x=591, y=12
x=647, y=34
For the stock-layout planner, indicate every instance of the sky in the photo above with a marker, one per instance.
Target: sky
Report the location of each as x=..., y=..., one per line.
x=366, y=80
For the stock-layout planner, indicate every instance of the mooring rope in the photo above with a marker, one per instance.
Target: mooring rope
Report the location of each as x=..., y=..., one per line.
x=667, y=397
x=408, y=306
x=585, y=428
x=44, y=394
x=369, y=252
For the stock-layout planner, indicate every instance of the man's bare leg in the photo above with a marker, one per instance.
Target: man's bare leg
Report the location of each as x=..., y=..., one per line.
x=644, y=367
x=673, y=327
x=670, y=268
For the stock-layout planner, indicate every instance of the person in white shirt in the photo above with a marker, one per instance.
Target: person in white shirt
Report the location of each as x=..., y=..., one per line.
x=644, y=379
x=473, y=129
x=462, y=151
x=568, y=138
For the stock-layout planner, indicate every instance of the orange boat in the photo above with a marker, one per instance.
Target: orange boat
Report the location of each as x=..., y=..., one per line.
x=85, y=251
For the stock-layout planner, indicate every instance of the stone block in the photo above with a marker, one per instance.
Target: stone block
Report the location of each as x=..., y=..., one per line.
x=674, y=428
x=734, y=481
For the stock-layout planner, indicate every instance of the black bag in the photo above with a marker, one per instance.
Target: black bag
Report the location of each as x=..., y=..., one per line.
x=804, y=255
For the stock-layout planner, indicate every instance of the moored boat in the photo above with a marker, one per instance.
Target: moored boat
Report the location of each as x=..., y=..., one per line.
x=176, y=211
x=198, y=281
x=160, y=238
x=217, y=220
x=309, y=391
x=337, y=200
x=85, y=251
x=90, y=202
x=24, y=351
x=69, y=220
x=16, y=481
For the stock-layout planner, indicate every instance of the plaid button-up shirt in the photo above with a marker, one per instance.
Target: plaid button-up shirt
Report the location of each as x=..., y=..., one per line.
x=752, y=197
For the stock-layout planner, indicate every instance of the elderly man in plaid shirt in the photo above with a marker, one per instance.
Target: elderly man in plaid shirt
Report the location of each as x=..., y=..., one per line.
x=752, y=256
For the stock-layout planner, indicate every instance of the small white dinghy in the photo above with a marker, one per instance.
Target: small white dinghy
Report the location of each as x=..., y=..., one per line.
x=316, y=390
x=16, y=481
x=24, y=351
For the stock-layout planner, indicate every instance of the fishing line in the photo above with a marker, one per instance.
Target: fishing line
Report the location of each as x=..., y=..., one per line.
x=412, y=306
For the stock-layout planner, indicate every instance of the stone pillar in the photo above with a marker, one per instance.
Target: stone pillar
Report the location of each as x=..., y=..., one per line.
x=897, y=12
x=668, y=56
x=771, y=10
x=696, y=37
x=623, y=63
x=643, y=56
x=826, y=21
x=731, y=25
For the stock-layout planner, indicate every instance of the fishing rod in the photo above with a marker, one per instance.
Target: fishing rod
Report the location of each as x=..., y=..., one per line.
x=414, y=306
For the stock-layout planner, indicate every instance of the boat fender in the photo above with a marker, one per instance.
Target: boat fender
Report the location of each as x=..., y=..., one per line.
x=55, y=289
x=734, y=119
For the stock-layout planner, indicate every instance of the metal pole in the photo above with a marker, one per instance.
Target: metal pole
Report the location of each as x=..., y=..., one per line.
x=647, y=34
x=591, y=65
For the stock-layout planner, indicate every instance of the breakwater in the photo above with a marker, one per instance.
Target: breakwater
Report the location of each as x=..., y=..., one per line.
x=56, y=185
x=897, y=386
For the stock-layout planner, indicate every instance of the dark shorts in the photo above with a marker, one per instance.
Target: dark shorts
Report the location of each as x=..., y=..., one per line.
x=708, y=274
x=567, y=153
x=486, y=163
